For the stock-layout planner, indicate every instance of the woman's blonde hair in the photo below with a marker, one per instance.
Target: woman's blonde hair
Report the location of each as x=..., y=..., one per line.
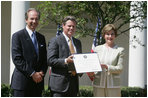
x=107, y=28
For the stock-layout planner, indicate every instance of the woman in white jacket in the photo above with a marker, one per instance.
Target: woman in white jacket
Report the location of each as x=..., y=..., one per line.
x=107, y=82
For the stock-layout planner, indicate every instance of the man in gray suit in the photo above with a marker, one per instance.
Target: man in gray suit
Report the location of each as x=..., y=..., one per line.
x=30, y=58
x=63, y=79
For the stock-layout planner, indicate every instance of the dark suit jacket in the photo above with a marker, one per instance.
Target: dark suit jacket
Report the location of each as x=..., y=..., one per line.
x=26, y=60
x=58, y=50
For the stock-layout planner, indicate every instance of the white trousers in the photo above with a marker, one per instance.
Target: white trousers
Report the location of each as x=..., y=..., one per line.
x=106, y=92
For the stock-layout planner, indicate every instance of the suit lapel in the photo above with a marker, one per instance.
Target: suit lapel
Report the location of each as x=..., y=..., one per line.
x=28, y=40
x=76, y=45
x=38, y=40
x=27, y=37
x=64, y=42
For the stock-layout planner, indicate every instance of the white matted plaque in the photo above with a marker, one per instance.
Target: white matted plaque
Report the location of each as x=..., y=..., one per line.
x=87, y=62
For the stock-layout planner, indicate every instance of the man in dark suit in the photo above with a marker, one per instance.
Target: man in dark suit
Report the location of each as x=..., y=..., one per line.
x=63, y=79
x=29, y=56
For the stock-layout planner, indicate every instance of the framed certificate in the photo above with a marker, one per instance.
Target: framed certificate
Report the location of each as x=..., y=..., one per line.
x=87, y=62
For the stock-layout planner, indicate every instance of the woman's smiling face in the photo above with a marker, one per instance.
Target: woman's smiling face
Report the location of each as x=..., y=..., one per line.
x=109, y=37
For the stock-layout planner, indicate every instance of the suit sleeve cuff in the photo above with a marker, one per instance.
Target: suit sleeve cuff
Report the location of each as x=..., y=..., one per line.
x=32, y=73
x=66, y=61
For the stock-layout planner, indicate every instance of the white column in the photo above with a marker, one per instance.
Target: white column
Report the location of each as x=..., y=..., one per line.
x=18, y=10
x=137, y=51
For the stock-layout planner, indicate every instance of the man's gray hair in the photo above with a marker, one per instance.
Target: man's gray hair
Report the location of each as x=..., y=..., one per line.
x=31, y=9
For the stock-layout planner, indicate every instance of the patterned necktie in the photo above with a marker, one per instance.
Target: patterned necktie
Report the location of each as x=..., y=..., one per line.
x=72, y=51
x=34, y=40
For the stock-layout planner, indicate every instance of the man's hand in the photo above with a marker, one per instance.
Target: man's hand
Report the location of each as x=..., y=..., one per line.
x=38, y=76
x=41, y=73
x=70, y=59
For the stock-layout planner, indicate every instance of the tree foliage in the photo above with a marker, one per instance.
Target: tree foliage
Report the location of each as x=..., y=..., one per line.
x=87, y=13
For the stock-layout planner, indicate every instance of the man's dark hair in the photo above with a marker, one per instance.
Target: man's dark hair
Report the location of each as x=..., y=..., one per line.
x=72, y=18
x=31, y=9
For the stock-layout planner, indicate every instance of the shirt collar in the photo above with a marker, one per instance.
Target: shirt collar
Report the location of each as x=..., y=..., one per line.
x=29, y=31
x=66, y=37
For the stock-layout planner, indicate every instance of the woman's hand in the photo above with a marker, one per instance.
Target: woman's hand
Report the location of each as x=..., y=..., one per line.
x=104, y=66
x=91, y=74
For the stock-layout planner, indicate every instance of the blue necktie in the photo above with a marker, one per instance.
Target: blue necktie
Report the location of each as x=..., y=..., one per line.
x=34, y=40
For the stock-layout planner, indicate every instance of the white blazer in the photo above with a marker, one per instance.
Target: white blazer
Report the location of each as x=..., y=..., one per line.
x=113, y=58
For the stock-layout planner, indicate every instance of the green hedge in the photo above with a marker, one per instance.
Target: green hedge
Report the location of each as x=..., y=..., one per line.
x=85, y=91
x=6, y=91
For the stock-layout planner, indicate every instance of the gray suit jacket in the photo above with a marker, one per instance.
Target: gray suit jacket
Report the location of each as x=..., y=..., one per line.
x=58, y=50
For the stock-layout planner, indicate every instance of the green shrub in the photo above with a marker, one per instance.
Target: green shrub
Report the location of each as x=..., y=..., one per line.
x=6, y=91
x=46, y=93
x=133, y=92
x=85, y=91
